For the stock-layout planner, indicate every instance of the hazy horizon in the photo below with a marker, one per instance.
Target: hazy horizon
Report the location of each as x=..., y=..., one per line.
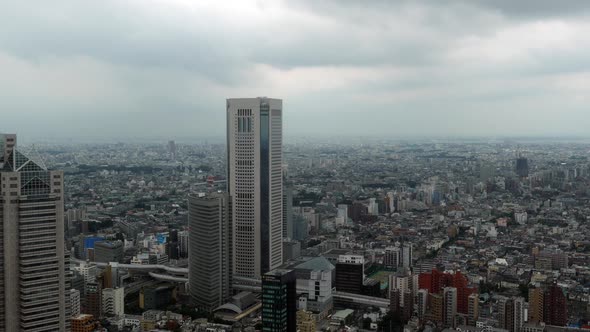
x=298, y=139
x=141, y=69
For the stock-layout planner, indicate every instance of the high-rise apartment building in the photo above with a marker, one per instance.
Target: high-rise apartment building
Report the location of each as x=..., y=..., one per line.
x=210, y=249
x=472, y=309
x=555, y=306
x=93, y=298
x=435, y=308
x=113, y=301
x=421, y=302
x=461, y=283
x=401, y=282
x=392, y=257
x=519, y=313
x=450, y=306
x=511, y=313
x=255, y=183
x=32, y=255
x=183, y=244
x=535, y=312
x=407, y=255
x=74, y=302
x=279, y=301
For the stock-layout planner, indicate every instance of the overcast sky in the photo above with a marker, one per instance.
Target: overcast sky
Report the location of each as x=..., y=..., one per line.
x=392, y=68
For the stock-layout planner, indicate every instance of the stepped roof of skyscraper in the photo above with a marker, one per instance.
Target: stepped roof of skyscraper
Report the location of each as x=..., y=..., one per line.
x=17, y=161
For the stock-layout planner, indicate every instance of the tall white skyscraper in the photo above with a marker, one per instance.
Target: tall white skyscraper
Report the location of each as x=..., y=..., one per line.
x=32, y=254
x=255, y=182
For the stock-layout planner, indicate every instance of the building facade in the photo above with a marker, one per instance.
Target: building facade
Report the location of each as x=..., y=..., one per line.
x=210, y=250
x=287, y=212
x=74, y=302
x=472, y=309
x=255, y=183
x=113, y=301
x=108, y=251
x=450, y=306
x=350, y=274
x=391, y=258
x=32, y=255
x=535, y=312
x=279, y=301
x=555, y=306
x=83, y=323
x=305, y=321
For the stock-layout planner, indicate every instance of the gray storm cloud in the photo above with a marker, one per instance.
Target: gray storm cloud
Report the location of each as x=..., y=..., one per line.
x=407, y=68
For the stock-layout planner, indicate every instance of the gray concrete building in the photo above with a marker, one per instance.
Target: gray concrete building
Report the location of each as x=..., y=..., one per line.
x=209, y=250
x=287, y=212
x=32, y=256
x=108, y=251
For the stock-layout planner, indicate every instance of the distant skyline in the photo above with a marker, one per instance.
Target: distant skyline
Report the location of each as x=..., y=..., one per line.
x=342, y=68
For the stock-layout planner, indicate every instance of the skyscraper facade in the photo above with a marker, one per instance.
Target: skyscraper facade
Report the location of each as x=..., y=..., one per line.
x=279, y=301
x=350, y=274
x=288, y=212
x=255, y=182
x=32, y=255
x=209, y=250
x=522, y=166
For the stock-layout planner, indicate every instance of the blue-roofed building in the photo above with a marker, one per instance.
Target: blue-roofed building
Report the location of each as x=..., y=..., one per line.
x=91, y=240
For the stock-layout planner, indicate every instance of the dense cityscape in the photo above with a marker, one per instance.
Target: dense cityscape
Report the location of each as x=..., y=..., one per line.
x=295, y=166
x=264, y=233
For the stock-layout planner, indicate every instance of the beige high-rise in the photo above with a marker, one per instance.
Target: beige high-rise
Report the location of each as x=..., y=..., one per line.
x=32, y=268
x=255, y=182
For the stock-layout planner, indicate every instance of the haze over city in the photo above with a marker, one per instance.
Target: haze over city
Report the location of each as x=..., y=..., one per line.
x=295, y=166
x=123, y=69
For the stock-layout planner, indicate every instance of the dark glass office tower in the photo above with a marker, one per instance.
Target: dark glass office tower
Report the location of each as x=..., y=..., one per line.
x=350, y=274
x=522, y=167
x=279, y=301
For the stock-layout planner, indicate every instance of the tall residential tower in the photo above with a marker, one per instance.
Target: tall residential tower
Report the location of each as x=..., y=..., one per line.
x=255, y=183
x=32, y=256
